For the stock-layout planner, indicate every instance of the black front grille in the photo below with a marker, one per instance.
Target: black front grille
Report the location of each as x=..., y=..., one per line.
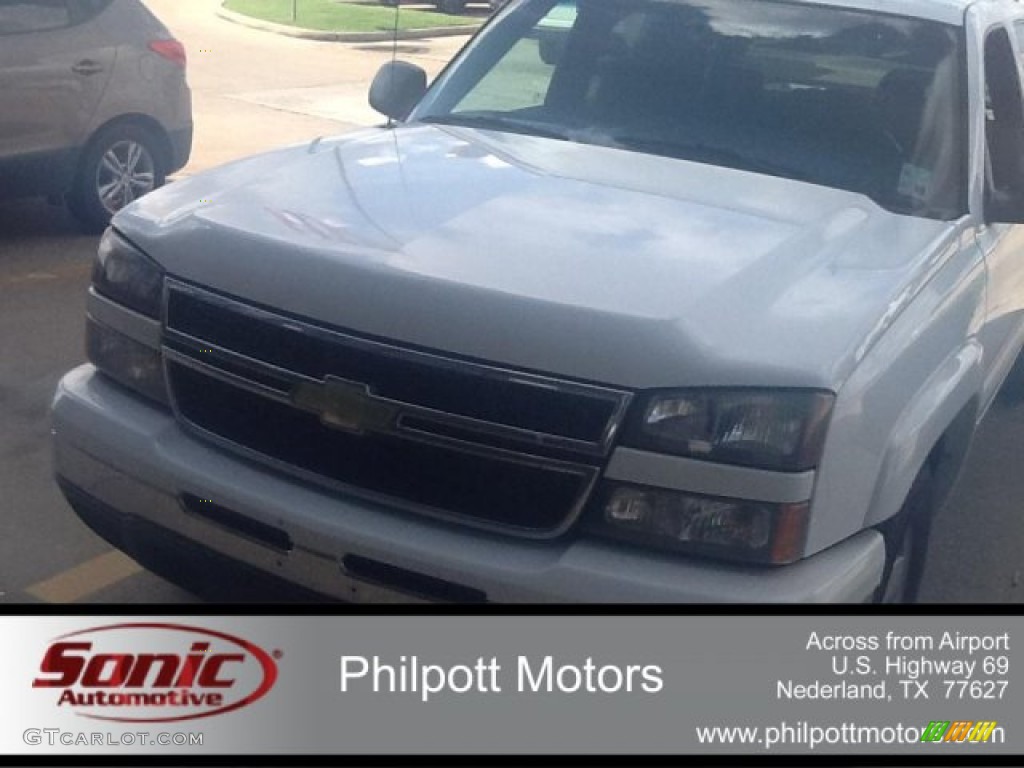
x=424, y=475
x=401, y=375
x=507, y=451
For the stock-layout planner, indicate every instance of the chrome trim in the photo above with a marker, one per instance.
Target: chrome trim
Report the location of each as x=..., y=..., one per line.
x=587, y=474
x=399, y=429
x=486, y=451
x=171, y=355
x=125, y=321
x=619, y=399
x=708, y=479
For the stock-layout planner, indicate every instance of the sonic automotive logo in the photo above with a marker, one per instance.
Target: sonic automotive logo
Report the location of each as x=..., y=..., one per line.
x=155, y=673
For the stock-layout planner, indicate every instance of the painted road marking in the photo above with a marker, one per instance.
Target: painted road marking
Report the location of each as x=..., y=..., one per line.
x=65, y=271
x=85, y=579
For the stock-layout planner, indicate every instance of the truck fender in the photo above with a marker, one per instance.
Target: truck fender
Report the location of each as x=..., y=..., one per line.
x=946, y=405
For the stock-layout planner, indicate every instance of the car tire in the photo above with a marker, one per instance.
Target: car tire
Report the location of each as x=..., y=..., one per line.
x=451, y=6
x=121, y=164
x=906, y=543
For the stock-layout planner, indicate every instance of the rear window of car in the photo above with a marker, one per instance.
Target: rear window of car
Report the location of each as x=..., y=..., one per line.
x=21, y=16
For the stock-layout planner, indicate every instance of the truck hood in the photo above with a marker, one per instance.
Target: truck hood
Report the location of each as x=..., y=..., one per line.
x=584, y=261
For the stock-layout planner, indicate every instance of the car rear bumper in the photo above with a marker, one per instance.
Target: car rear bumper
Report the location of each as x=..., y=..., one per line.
x=181, y=148
x=149, y=487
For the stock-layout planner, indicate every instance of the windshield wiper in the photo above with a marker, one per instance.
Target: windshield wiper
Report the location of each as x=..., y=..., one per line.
x=499, y=122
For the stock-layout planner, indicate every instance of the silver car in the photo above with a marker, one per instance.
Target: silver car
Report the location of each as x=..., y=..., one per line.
x=94, y=104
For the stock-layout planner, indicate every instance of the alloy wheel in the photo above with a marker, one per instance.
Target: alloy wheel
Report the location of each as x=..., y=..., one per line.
x=125, y=173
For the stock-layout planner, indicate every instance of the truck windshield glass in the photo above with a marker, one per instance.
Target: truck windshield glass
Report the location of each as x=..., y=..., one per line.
x=866, y=102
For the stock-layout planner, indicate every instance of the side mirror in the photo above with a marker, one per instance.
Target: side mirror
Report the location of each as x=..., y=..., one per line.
x=397, y=88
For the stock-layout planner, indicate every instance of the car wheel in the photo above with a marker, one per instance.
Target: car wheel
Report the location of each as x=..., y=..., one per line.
x=906, y=544
x=120, y=165
x=451, y=6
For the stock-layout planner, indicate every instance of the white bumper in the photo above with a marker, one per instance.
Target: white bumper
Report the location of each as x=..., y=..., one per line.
x=134, y=459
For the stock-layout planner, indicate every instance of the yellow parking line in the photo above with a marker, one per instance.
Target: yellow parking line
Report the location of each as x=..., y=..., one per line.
x=61, y=272
x=85, y=579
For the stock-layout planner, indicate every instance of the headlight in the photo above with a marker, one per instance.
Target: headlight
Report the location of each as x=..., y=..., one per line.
x=769, y=429
x=125, y=360
x=732, y=528
x=124, y=313
x=124, y=274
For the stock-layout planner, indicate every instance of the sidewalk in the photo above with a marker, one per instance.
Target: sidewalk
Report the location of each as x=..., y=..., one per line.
x=345, y=37
x=253, y=91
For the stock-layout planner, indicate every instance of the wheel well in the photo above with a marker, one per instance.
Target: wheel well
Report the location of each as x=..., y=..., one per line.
x=947, y=458
x=929, y=491
x=148, y=124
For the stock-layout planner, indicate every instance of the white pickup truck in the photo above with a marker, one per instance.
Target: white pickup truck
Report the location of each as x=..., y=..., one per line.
x=641, y=300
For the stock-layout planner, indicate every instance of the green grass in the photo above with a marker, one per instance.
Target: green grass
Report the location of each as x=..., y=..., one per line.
x=334, y=16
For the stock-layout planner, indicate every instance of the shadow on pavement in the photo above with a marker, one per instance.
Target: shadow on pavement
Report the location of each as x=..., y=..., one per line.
x=21, y=219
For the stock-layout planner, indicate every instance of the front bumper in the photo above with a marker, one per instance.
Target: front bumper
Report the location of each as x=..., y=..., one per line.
x=132, y=461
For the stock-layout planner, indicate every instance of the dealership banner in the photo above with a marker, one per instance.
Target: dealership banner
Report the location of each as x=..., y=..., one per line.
x=512, y=685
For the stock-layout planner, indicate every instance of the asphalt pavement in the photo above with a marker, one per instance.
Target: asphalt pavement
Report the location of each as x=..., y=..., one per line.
x=254, y=91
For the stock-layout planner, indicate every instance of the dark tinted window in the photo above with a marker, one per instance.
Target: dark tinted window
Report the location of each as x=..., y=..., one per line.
x=17, y=16
x=863, y=101
x=1004, y=115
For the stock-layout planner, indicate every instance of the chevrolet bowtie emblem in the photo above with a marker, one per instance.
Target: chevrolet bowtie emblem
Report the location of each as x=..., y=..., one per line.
x=345, y=405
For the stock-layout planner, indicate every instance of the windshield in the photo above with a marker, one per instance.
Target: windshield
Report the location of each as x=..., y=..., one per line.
x=861, y=101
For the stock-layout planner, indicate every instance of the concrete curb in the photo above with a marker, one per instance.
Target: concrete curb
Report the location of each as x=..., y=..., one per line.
x=343, y=37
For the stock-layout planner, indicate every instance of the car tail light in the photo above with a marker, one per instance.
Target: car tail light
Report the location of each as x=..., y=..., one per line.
x=171, y=50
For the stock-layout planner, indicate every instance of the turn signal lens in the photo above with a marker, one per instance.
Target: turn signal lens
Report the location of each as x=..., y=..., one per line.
x=748, y=530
